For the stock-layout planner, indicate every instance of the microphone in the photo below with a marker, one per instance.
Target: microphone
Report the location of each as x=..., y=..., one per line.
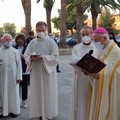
x=91, y=52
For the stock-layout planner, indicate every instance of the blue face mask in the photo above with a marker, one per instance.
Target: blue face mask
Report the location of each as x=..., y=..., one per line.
x=7, y=44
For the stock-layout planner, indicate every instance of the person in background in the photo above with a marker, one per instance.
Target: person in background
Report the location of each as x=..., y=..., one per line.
x=82, y=81
x=11, y=76
x=112, y=36
x=21, y=46
x=31, y=36
x=52, y=35
x=42, y=57
x=107, y=103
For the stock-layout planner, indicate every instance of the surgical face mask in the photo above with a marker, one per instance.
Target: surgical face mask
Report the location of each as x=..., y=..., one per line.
x=86, y=39
x=41, y=35
x=7, y=44
x=98, y=45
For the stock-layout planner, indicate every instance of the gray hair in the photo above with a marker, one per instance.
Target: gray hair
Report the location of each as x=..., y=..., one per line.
x=41, y=23
x=104, y=35
x=6, y=34
x=87, y=27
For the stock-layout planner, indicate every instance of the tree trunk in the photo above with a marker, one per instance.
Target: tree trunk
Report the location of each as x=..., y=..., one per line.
x=95, y=10
x=79, y=15
x=48, y=17
x=27, y=10
x=63, y=25
x=94, y=21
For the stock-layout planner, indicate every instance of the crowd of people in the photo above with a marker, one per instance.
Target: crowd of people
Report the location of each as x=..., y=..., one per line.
x=34, y=62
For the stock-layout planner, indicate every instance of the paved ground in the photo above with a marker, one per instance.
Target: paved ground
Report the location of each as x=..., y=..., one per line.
x=64, y=89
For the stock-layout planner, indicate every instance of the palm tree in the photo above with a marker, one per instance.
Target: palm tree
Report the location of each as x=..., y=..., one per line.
x=80, y=9
x=80, y=6
x=63, y=24
x=96, y=6
x=95, y=9
x=27, y=10
x=48, y=5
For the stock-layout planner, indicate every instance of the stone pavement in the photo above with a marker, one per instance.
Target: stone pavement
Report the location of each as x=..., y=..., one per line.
x=64, y=91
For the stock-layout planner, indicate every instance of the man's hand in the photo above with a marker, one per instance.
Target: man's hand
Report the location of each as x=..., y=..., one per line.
x=36, y=57
x=96, y=76
x=18, y=81
x=22, y=56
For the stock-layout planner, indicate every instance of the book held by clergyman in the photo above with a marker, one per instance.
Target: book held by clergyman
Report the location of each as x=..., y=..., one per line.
x=89, y=64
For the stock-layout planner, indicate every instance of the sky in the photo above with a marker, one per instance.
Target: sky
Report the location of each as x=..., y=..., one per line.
x=12, y=11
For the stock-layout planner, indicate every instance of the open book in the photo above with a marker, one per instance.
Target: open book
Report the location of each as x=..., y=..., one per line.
x=89, y=64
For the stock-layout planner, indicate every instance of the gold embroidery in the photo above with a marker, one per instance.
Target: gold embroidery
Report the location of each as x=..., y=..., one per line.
x=110, y=86
x=101, y=84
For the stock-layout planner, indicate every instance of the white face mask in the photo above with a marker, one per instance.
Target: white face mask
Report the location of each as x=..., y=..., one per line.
x=41, y=35
x=86, y=39
x=98, y=45
x=7, y=44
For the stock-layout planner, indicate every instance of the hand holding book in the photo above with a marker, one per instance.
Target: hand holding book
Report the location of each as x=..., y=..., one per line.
x=89, y=64
x=35, y=57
